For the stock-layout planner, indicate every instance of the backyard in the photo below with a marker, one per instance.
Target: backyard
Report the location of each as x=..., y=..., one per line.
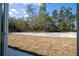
x=50, y=44
x=43, y=28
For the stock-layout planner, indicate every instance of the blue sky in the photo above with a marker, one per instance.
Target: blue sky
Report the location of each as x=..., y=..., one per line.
x=19, y=9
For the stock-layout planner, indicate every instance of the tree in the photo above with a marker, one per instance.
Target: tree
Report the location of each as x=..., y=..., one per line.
x=66, y=19
x=70, y=18
x=54, y=21
x=55, y=16
x=39, y=22
x=30, y=11
x=59, y=21
x=42, y=8
x=12, y=24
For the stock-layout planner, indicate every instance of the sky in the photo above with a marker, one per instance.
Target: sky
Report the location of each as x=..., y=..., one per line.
x=18, y=10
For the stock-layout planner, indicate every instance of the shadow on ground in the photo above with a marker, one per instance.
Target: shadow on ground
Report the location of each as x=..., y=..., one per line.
x=25, y=51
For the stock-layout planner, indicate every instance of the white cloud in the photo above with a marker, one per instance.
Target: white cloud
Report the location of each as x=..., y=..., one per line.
x=24, y=4
x=14, y=11
x=10, y=13
x=19, y=16
x=26, y=15
x=10, y=3
x=35, y=3
x=24, y=12
x=38, y=4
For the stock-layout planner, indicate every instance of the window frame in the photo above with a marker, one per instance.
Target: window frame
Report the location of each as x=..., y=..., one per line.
x=4, y=29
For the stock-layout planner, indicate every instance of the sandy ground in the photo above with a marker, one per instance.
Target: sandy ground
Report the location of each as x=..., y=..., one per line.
x=45, y=44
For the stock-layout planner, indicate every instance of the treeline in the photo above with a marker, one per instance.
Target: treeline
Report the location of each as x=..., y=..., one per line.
x=59, y=21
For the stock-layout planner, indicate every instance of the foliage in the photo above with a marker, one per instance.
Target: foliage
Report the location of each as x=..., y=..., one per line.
x=61, y=21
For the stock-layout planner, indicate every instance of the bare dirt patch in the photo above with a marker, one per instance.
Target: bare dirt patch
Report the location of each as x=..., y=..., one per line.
x=44, y=45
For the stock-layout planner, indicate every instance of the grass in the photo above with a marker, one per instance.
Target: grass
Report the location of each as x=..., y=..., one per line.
x=53, y=46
